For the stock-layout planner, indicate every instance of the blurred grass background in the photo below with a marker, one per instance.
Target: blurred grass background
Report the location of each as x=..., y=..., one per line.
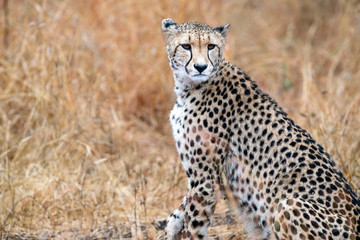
x=85, y=93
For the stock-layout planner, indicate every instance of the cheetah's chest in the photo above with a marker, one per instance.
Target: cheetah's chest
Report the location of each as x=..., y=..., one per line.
x=182, y=137
x=177, y=121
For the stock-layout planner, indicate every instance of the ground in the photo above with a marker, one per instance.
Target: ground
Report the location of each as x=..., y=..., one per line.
x=86, y=90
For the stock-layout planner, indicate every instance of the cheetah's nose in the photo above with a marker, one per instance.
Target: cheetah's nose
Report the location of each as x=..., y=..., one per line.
x=200, y=68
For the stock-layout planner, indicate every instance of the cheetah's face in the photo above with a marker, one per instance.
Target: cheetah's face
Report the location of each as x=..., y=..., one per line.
x=195, y=50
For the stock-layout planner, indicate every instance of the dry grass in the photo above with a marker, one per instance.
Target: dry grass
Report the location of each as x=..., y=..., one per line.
x=85, y=91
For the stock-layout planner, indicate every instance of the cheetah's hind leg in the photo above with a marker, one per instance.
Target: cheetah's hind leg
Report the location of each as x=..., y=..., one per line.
x=175, y=223
x=300, y=219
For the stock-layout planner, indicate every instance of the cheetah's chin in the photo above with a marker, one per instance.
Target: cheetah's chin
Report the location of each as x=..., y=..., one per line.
x=198, y=78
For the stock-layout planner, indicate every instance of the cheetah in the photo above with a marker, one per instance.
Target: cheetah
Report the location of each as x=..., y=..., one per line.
x=283, y=182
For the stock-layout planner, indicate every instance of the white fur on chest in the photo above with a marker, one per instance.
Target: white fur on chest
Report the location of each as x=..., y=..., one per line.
x=176, y=121
x=177, y=116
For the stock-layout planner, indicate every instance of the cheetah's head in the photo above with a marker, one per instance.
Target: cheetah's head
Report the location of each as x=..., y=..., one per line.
x=195, y=50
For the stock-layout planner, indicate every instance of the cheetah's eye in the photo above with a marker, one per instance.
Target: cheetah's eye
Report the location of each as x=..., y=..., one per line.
x=186, y=46
x=211, y=46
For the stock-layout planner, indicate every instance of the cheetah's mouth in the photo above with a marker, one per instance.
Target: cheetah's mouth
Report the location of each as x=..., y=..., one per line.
x=200, y=77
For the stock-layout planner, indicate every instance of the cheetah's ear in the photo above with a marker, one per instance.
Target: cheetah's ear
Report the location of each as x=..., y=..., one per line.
x=168, y=25
x=223, y=30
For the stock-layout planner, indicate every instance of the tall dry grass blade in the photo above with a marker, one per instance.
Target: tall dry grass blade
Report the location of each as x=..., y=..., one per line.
x=6, y=23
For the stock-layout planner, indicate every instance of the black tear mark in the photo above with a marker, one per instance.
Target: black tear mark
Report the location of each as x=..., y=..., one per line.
x=175, y=50
x=210, y=59
x=188, y=63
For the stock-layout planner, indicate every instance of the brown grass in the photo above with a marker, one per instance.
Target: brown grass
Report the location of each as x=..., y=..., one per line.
x=85, y=92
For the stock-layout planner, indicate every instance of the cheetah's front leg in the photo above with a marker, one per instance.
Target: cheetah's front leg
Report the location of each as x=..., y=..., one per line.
x=198, y=212
x=175, y=223
x=193, y=217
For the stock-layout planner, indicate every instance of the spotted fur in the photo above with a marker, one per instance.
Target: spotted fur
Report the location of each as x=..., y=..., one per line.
x=284, y=183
